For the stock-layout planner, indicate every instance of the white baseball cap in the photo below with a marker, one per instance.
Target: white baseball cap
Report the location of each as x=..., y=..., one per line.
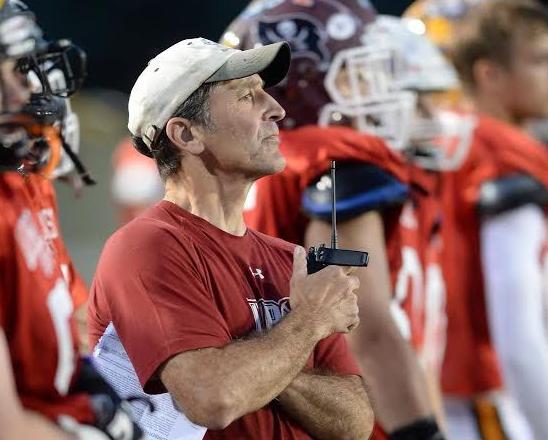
x=172, y=76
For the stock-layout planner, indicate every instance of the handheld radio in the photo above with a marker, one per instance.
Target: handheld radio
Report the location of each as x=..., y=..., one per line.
x=322, y=256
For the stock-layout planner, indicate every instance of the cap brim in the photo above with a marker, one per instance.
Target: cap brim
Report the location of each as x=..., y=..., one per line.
x=271, y=62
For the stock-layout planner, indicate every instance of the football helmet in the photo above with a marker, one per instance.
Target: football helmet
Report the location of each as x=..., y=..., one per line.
x=49, y=140
x=375, y=86
x=316, y=30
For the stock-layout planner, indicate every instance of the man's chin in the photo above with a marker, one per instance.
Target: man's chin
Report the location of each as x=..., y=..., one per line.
x=279, y=164
x=269, y=167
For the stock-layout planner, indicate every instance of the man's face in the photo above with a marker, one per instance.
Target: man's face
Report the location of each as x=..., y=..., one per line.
x=526, y=79
x=244, y=136
x=14, y=89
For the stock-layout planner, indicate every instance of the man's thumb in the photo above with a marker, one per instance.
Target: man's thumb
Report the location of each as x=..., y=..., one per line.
x=299, y=262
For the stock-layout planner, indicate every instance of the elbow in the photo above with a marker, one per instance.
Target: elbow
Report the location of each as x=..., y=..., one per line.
x=360, y=432
x=365, y=428
x=212, y=410
x=362, y=424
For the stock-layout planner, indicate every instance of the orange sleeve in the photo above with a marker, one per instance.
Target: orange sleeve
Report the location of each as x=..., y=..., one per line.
x=310, y=150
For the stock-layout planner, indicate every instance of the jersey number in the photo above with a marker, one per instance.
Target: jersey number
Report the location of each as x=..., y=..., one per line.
x=428, y=304
x=60, y=309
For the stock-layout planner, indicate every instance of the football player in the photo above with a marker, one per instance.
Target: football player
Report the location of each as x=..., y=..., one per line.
x=495, y=230
x=374, y=182
x=48, y=390
x=54, y=74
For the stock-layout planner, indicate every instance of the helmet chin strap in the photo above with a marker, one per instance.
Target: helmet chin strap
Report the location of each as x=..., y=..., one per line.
x=82, y=171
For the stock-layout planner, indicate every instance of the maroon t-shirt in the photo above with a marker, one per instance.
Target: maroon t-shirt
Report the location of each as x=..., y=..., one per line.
x=170, y=282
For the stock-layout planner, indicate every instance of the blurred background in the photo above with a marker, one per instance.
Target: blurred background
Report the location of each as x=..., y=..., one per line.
x=120, y=37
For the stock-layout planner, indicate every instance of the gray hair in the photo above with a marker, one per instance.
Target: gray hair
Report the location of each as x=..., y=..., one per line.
x=196, y=109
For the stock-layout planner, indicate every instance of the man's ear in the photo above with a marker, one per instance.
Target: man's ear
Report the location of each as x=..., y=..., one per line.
x=488, y=75
x=185, y=135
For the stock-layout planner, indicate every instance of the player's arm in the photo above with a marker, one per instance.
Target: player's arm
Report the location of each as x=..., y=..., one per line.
x=18, y=423
x=391, y=370
x=328, y=406
x=511, y=247
x=215, y=386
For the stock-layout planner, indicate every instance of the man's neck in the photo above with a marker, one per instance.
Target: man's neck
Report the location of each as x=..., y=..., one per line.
x=218, y=198
x=494, y=108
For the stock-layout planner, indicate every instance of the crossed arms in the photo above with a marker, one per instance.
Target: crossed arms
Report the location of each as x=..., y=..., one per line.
x=216, y=386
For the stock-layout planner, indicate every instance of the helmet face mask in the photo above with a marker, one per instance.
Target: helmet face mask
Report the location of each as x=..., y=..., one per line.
x=60, y=68
x=389, y=118
x=362, y=74
x=56, y=112
x=364, y=84
x=442, y=143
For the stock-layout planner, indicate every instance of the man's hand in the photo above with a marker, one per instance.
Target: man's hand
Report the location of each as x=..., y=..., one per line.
x=327, y=297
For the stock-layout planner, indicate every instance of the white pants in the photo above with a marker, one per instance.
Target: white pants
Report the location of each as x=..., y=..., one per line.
x=493, y=417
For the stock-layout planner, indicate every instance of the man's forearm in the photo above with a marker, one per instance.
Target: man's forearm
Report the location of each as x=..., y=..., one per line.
x=329, y=406
x=242, y=376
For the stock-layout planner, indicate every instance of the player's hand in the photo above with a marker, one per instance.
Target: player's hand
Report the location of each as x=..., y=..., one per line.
x=121, y=427
x=326, y=299
x=87, y=432
x=113, y=415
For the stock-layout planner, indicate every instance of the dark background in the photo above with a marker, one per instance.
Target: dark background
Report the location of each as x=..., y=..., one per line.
x=120, y=36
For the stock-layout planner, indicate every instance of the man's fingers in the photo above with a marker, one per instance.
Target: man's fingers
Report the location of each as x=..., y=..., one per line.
x=348, y=270
x=354, y=283
x=299, y=262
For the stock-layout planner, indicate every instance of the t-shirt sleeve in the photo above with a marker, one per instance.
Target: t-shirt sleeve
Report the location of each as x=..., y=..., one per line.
x=158, y=299
x=334, y=354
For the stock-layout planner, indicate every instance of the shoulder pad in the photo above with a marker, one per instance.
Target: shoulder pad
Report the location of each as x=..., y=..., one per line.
x=360, y=188
x=510, y=192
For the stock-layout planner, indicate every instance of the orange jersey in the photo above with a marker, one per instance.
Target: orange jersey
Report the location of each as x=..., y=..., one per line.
x=44, y=202
x=496, y=149
x=36, y=309
x=414, y=256
x=274, y=207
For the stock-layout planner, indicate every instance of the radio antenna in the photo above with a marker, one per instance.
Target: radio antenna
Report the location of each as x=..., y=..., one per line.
x=334, y=240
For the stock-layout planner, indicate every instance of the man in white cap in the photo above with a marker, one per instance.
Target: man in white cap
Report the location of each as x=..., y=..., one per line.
x=222, y=317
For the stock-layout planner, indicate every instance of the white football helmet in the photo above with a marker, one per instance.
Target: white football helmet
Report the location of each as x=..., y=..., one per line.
x=362, y=83
x=376, y=86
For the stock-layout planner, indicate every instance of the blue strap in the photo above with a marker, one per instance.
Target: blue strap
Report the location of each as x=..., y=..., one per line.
x=378, y=197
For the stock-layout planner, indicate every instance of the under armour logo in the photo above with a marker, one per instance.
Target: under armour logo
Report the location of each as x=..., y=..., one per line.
x=258, y=273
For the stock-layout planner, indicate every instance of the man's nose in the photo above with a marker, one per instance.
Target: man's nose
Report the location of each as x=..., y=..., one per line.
x=275, y=111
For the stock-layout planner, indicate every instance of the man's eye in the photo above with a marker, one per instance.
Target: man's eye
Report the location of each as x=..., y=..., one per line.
x=247, y=97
